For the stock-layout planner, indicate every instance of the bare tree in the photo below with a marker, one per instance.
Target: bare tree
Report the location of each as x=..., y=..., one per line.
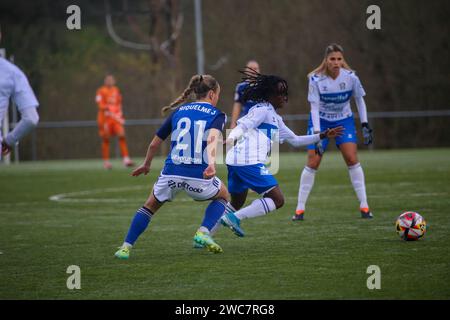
x=165, y=22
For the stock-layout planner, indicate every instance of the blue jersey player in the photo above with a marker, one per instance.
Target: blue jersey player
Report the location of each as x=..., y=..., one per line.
x=194, y=129
x=252, y=141
x=241, y=106
x=331, y=85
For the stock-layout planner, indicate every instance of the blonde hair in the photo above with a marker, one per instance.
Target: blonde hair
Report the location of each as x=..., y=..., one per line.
x=199, y=84
x=322, y=68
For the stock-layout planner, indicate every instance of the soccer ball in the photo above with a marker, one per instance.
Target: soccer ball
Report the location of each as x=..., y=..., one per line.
x=410, y=226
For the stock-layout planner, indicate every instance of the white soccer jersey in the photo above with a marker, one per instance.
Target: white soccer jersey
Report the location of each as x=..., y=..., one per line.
x=14, y=84
x=334, y=96
x=255, y=134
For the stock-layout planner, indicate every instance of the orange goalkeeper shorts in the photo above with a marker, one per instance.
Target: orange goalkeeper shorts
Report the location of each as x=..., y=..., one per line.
x=109, y=128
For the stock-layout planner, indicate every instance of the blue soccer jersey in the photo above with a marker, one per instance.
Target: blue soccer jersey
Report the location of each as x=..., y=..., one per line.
x=189, y=127
x=239, y=97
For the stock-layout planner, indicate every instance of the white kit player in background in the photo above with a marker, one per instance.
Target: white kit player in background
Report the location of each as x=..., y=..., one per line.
x=331, y=85
x=14, y=84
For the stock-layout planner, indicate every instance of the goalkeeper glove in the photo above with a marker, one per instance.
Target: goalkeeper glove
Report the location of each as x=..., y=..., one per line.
x=367, y=133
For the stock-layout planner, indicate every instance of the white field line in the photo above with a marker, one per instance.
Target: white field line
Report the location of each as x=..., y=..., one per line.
x=72, y=196
x=76, y=197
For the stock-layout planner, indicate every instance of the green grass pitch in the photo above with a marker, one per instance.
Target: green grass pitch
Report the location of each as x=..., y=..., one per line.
x=324, y=257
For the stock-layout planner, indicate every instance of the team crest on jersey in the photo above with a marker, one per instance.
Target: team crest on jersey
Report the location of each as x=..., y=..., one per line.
x=324, y=88
x=342, y=85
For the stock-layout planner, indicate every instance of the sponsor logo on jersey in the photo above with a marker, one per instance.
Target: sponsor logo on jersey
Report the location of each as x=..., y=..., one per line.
x=186, y=186
x=339, y=97
x=183, y=185
x=172, y=184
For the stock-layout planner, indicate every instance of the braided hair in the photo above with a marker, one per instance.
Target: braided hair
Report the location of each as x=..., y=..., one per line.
x=262, y=87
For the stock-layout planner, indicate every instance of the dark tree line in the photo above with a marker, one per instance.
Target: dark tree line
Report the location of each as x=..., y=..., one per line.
x=404, y=66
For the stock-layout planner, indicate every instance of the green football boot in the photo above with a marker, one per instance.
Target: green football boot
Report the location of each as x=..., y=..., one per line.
x=123, y=253
x=205, y=240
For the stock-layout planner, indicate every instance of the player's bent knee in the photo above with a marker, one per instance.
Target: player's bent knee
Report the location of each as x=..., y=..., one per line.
x=238, y=200
x=314, y=162
x=279, y=202
x=223, y=194
x=351, y=161
x=153, y=204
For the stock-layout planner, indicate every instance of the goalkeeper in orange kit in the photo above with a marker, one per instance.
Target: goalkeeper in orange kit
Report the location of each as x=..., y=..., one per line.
x=110, y=120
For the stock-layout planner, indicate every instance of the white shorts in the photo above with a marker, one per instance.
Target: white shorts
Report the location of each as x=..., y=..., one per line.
x=166, y=187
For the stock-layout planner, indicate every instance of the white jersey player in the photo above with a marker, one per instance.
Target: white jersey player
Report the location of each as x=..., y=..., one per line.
x=254, y=135
x=331, y=86
x=14, y=84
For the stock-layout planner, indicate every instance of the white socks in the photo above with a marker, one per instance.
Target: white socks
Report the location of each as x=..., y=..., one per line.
x=306, y=184
x=357, y=178
x=126, y=245
x=258, y=207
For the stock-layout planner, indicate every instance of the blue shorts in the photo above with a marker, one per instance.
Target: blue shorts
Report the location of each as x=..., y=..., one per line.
x=255, y=177
x=349, y=134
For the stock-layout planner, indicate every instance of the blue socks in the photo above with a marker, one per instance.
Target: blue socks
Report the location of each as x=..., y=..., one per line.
x=213, y=213
x=138, y=225
x=142, y=218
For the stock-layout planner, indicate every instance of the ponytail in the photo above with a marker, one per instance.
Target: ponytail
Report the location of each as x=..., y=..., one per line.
x=199, y=85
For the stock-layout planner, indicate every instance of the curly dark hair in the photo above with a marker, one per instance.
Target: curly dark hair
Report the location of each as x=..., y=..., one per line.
x=262, y=87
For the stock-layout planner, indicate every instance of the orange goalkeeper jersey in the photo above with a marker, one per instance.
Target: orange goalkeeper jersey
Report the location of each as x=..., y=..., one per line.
x=109, y=101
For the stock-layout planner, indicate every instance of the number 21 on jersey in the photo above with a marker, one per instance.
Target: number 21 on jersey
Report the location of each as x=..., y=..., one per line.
x=187, y=141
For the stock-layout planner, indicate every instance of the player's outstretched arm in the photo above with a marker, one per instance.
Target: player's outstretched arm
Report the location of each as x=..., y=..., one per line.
x=144, y=168
x=294, y=140
x=299, y=141
x=329, y=133
x=332, y=132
